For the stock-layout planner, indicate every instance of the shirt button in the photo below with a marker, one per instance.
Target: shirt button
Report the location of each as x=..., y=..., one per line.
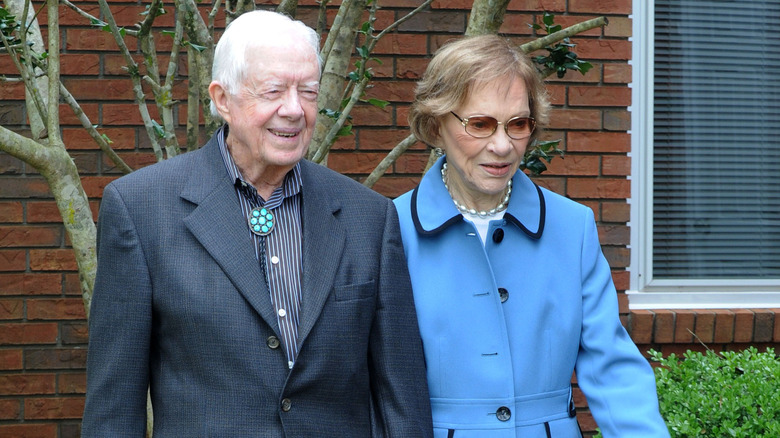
x=503, y=413
x=498, y=235
x=282, y=313
x=290, y=364
x=275, y=260
x=504, y=294
x=286, y=404
x=272, y=342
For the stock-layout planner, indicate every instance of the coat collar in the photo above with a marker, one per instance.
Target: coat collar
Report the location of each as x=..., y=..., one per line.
x=433, y=210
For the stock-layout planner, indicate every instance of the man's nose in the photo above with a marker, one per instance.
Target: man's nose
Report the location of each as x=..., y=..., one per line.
x=291, y=105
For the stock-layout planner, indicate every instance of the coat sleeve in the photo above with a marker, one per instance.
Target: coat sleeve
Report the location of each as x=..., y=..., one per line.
x=119, y=328
x=398, y=379
x=617, y=380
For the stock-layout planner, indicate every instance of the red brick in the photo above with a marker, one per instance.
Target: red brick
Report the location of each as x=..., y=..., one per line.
x=52, y=260
x=664, y=327
x=94, y=185
x=395, y=186
x=602, y=49
x=615, y=165
x=10, y=212
x=79, y=64
x=26, y=384
x=743, y=325
x=383, y=139
x=100, y=89
x=764, y=325
x=641, y=326
x=369, y=115
x=72, y=284
x=75, y=332
x=410, y=68
x=619, y=27
x=53, y=408
x=11, y=309
x=705, y=326
x=580, y=141
x=392, y=91
x=354, y=163
x=533, y=5
x=12, y=260
x=29, y=187
x=621, y=280
x=621, y=7
x=10, y=410
x=615, y=212
x=617, y=257
x=516, y=24
x=724, y=326
x=614, y=234
x=617, y=73
x=27, y=236
x=684, y=325
x=34, y=430
x=28, y=333
x=72, y=383
x=406, y=44
x=599, y=96
x=776, y=337
x=94, y=39
x=581, y=165
x=10, y=359
x=68, y=117
x=575, y=119
x=55, y=358
x=617, y=120
x=57, y=309
x=603, y=188
x=78, y=138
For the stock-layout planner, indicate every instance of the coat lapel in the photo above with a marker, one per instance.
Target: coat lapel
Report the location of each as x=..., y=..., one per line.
x=217, y=224
x=323, y=244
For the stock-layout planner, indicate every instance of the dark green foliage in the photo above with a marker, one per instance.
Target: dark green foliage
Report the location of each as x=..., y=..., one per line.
x=538, y=153
x=560, y=57
x=732, y=394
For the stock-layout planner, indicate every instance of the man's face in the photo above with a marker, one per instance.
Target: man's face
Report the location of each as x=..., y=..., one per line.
x=273, y=113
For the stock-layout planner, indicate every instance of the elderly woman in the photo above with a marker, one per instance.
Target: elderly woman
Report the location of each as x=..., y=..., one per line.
x=512, y=291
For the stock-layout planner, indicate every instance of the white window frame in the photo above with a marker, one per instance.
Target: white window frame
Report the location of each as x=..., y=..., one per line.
x=646, y=292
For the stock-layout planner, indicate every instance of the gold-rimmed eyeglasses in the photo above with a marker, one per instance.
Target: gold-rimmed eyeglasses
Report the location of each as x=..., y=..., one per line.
x=516, y=128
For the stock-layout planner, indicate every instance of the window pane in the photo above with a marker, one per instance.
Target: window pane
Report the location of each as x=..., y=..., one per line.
x=716, y=177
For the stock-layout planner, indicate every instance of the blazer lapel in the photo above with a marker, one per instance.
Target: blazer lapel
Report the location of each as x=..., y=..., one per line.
x=217, y=224
x=323, y=243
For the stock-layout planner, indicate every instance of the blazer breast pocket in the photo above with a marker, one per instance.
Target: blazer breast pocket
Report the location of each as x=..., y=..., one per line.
x=351, y=292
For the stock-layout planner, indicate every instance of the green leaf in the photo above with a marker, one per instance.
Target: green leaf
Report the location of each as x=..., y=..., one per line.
x=169, y=33
x=95, y=22
x=197, y=47
x=344, y=131
x=158, y=129
x=378, y=103
x=363, y=52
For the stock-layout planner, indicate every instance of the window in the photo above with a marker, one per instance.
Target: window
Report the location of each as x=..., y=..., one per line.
x=705, y=154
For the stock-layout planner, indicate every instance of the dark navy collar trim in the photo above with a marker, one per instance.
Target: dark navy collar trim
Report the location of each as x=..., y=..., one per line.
x=508, y=216
x=418, y=225
x=542, y=214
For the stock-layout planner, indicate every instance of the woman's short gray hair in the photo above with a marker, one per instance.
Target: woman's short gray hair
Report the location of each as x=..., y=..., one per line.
x=457, y=67
x=250, y=29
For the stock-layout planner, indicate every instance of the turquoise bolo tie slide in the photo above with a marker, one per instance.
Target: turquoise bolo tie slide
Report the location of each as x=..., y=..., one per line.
x=261, y=221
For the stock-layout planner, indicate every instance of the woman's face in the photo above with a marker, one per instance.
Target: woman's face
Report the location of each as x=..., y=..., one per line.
x=479, y=168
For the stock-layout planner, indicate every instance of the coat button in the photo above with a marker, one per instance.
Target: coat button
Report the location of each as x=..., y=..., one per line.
x=272, y=342
x=572, y=410
x=286, y=404
x=503, y=413
x=504, y=294
x=498, y=235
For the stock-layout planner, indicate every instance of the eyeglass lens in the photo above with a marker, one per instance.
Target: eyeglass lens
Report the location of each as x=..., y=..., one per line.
x=484, y=126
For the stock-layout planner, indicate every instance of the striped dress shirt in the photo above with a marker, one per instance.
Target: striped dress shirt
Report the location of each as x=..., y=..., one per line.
x=279, y=253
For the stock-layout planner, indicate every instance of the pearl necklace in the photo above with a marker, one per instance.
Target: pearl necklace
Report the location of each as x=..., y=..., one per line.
x=481, y=213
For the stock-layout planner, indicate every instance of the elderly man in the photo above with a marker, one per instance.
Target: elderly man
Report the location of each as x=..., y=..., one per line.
x=254, y=293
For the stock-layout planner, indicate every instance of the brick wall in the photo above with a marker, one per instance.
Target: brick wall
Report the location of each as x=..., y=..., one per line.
x=43, y=334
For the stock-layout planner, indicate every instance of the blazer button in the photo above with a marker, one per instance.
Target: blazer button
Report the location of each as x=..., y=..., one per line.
x=572, y=410
x=503, y=413
x=272, y=342
x=504, y=294
x=498, y=235
x=286, y=404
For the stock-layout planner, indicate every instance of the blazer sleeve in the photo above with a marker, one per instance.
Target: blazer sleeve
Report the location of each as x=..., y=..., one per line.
x=617, y=380
x=397, y=365
x=119, y=328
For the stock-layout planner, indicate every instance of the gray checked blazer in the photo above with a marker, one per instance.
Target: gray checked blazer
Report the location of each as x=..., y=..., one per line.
x=180, y=306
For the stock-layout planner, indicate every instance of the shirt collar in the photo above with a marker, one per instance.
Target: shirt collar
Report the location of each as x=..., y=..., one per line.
x=433, y=209
x=290, y=186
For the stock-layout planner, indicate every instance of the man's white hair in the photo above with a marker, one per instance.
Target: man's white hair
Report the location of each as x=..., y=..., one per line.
x=252, y=29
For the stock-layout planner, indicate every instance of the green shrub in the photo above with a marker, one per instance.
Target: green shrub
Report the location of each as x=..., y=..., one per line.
x=732, y=394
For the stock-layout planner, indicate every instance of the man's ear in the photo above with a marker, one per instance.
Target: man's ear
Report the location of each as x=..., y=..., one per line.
x=220, y=96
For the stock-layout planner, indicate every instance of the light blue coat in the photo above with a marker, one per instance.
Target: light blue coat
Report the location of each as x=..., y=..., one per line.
x=504, y=369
